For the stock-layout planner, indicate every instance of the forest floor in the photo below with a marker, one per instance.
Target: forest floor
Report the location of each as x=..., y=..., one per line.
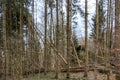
x=74, y=76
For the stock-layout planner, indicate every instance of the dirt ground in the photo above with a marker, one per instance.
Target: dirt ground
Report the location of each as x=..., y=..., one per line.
x=79, y=76
x=62, y=76
x=91, y=75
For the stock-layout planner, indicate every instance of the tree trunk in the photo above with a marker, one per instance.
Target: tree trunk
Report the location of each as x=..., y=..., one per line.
x=96, y=41
x=21, y=41
x=68, y=31
x=86, y=40
x=4, y=39
x=117, y=38
x=57, y=40
x=45, y=39
x=50, y=35
x=108, y=40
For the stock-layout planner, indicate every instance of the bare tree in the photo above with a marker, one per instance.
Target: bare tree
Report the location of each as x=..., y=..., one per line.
x=96, y=40
x=5, y=39
x=45, y=38
x=117, y=38
x=86, y=40
x=57, y=40
x=68, y=31
x=21, y=40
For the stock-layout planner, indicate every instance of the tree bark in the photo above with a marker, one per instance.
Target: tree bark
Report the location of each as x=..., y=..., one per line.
x=117, y=38
x=45, y=39
x=86, y=40
x=57, y=41
x=4, y=39
x=96, y=41
x=68, y=31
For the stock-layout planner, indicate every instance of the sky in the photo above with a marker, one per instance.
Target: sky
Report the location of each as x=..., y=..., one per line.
x=81, y=25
